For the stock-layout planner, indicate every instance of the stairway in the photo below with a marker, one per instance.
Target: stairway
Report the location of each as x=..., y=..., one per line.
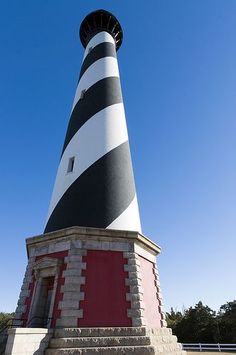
x=112, y=341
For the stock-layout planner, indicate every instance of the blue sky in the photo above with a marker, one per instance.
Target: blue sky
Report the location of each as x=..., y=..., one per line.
x=178, y=73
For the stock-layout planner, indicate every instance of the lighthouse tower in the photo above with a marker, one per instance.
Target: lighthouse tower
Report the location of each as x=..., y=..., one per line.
x=92, y=285
x=95, y=184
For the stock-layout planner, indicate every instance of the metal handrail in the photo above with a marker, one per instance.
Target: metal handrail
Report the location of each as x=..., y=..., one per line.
x=6, y=326
x=9, y=322
x=36, y=317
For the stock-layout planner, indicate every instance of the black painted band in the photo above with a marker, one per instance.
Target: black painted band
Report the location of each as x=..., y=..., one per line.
x=105, y=49
x=104, y=93
x=99, y=195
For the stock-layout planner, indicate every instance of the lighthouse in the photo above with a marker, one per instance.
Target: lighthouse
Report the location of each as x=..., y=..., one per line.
x=94, y=185
x=91, y=284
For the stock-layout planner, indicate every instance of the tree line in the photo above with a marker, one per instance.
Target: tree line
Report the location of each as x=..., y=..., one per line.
x=200, y=324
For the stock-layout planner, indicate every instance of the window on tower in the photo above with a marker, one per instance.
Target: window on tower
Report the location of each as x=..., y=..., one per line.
x=71, y=164
x=82, y=94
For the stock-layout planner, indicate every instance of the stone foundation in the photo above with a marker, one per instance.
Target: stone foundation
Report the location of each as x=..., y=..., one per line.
x=99, y=292
x=111, y=341
x=89, y=277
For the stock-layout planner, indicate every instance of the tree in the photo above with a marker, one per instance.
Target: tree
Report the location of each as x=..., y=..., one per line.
x=173, y=318
x=5, y=319
x=227, y=322
x=198, y=324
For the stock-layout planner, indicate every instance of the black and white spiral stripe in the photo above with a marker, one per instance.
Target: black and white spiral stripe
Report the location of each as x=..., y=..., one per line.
x=100, y=190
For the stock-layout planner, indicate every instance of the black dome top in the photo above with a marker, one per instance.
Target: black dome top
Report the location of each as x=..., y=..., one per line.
x=97, y=21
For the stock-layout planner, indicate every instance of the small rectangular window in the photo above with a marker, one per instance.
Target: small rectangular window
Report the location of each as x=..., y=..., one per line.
x=71, y=164
x=82, y=94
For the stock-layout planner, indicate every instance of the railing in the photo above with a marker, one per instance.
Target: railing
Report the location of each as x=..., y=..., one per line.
x=208, y=347
x=41, y=322
x=34, y=322
x=6, y=325
x=3, y=334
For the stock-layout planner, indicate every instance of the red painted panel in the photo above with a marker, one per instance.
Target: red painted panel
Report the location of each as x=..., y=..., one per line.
x=105, y=302
x=151, y=303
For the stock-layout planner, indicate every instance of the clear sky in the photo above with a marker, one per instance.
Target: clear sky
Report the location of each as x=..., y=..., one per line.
x=178, y=72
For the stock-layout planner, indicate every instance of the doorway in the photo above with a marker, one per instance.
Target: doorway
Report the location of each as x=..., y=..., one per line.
x=40, y=317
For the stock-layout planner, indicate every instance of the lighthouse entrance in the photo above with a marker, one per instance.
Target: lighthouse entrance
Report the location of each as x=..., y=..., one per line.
x=41, y=315
x=46, y=272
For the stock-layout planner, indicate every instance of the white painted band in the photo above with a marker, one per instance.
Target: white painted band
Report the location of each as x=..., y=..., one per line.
x=100, y=134
x=129, y=219
x=102, y=68
x=97, y=39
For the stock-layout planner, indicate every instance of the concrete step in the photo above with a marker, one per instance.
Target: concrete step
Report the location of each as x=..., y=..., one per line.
x=170, y=343
x=88, y=342
x=164, y=339
x=114, y=341
x=166, y=348
x=97, y=332
x=115, y=331
x=159, y=332
x=119, y=350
